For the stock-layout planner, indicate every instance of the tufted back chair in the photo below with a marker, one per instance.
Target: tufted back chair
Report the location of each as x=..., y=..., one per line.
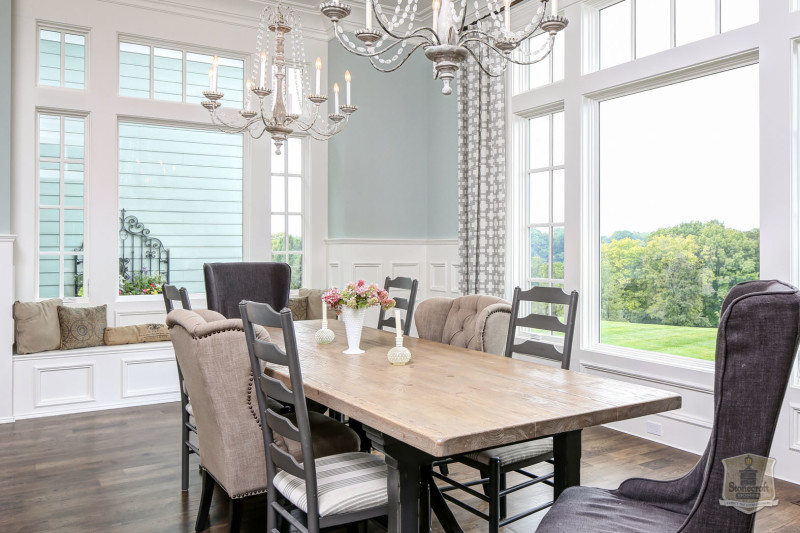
x=476, y=321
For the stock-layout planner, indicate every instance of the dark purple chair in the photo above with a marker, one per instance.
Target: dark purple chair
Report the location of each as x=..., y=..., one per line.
x=756, y=345
x=227, y=284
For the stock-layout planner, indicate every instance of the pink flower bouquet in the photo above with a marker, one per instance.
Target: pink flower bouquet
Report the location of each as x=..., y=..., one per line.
x=358, y=295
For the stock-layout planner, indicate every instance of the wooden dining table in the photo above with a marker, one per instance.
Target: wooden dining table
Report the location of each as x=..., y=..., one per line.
x=449, y=401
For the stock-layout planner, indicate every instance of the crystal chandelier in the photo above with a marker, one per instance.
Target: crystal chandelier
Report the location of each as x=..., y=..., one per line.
x=287, y=112
x=449, y=41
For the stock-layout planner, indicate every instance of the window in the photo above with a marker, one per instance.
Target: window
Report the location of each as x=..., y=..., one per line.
x=62, y=59
x=548, y=70
x=153, y=72
x=631, y=29
x=185, y=186
x=545, y=217
x=286, y=193
x=61, y=205
x=679, y=211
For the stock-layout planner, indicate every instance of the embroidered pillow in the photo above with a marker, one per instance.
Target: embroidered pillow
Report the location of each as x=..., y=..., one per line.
x=299, y=308
x=81, y=327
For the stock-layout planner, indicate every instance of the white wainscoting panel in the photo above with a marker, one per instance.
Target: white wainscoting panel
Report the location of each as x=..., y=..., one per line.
x=334, y=275
x=64, y=384
x=368, y=271
x=406, y=270
x=795, y=425
x=145, y=377
x=90, y=379
x=438, y=277
x=455, y=277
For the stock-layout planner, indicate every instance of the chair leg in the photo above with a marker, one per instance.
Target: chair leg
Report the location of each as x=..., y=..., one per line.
x=503, y=499
x=445, y=471
x=494, y=496
x=235, y=516
x=184, y=459
x=205, y=502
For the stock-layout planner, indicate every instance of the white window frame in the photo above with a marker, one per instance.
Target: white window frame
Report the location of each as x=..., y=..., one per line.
x=184, y=49
x=591, y=228
x=61, y=207
x=591, y=21
x=63, y=29
x=305, y=202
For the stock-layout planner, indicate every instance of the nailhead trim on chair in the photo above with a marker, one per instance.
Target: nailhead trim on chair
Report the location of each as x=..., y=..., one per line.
x=483, y=328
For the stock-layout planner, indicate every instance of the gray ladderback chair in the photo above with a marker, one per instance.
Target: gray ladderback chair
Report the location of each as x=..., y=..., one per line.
x=219, y=379
x=173, y=294
x=407, y=284
x=758, y=336
x=330, y=491
x=543, y=297
x=494, y=464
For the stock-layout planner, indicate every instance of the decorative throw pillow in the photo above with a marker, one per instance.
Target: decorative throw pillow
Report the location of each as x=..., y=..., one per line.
x=299, y=308
x=81, y=327
x=135, y=334
x=315, y=304
x=36, y=326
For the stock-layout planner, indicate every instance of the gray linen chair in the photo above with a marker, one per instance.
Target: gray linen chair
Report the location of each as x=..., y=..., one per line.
x=494, y=464
x=477, y=322
x=757, y=341
x=172, y=294
x=227, y=284
x=219, y=380
x=330, y=491
x=407, y=284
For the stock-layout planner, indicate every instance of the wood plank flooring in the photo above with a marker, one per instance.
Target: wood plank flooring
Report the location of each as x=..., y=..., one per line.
x=119, y=471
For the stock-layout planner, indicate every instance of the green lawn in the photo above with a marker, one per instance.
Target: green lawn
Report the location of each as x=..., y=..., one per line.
x=698, y=343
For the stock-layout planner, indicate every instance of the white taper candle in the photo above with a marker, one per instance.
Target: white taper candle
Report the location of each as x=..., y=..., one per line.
x=398, y=323
x=324, y=315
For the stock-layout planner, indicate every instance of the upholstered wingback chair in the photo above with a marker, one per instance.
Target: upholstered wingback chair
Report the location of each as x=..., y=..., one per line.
x=227, y=284
x=475, y=321
x=215, y=363
x=759, y=332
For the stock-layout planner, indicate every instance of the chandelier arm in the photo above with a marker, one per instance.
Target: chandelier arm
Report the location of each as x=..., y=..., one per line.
x=400, y=64
x=545, y=51
x=382, y=51
x=541, y=14
x=220, y=123
x=484, y=69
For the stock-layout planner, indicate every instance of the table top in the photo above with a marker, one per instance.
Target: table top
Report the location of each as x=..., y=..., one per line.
x=452, y=400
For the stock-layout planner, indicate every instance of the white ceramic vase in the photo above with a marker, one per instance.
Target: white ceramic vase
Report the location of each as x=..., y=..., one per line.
x=353, y=323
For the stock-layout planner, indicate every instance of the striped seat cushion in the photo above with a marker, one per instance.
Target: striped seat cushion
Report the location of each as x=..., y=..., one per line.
x=514, y=453
x=346, y=483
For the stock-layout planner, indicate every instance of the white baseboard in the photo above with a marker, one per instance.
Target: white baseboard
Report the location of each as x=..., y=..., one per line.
x=169, y=398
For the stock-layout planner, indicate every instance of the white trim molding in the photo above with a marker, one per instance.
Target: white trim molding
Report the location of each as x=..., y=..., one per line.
x=6, y=327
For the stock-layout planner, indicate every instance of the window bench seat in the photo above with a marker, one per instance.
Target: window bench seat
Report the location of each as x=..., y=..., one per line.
x=91, y=379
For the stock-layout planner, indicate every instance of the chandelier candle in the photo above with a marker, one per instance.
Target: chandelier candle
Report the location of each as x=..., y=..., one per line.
x=319, y=73
x=347, y=79
x=262, y=78
x=554, y=13
x=436, y=6
x=368, y=10
x=211, y=80
x=214, y=64
x=336, y=97
x=507, y=16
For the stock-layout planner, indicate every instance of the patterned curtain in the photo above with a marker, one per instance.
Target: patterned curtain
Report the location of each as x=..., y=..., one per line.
x=481, y=180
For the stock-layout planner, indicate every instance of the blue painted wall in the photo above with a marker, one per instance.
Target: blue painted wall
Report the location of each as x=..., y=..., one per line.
x=393, y=172
x=5, y=117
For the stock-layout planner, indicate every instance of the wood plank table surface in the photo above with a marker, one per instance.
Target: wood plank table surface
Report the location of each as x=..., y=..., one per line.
x=451, y=400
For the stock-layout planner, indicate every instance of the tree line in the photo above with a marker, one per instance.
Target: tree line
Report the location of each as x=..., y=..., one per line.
x=675, y=276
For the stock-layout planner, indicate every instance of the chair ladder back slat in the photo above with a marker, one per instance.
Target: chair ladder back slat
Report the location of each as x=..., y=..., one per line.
x=286, y=462
x=538, y=349
x=276, y=390
x=549, y=295
x=269, y=352
x=399, y=283
x=545, y=322
x=282, y=425
x=173, y=294
x=401, y=303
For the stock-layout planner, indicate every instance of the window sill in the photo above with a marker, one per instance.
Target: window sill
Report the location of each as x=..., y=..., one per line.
x=673, y=361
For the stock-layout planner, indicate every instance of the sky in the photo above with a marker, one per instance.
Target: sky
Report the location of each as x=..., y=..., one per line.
x=684, y=152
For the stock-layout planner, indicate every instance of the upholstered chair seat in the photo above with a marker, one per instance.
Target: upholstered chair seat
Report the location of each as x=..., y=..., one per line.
x=477, y=322
x=216, y=369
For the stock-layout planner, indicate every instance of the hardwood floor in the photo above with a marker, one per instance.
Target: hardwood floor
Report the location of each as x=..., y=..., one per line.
x=119, y=471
